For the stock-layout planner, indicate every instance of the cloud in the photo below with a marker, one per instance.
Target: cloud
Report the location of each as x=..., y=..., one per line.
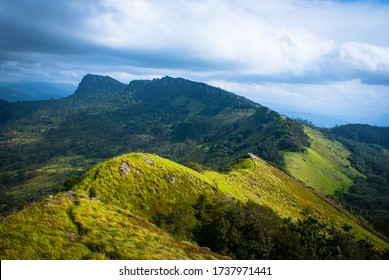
x=367, y=57
x=251, y=37
x=216, y=32
x=294, y=46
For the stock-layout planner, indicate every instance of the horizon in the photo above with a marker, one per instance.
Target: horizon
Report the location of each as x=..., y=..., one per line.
x=292, y=56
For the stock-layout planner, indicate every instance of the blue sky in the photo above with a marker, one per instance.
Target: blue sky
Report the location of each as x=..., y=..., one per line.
x=324, y=57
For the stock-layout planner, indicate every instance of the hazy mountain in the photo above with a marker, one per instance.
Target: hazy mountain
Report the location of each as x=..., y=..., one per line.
x=29, y=91
x=315, y=119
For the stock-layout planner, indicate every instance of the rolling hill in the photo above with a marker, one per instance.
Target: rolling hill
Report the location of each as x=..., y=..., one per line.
x=113, y=210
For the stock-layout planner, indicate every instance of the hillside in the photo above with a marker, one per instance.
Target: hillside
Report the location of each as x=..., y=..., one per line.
x=109, y=213
x=369, y=195
x=364, y=133
x=325, y=166
x=350, y=163
x=68, y=226
x=44, y=142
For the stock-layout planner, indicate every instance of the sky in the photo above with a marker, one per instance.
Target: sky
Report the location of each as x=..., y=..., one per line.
x=328, y=58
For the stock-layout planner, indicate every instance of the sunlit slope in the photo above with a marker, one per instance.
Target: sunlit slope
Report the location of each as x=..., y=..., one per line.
x=267, y=185
x=153, y=185
x=325, y=165
x=109, y=213
x=72, y=226
x=145, y=184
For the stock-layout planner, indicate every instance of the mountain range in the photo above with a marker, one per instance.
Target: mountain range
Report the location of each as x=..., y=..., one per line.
x=30, y=91
x=239, y=156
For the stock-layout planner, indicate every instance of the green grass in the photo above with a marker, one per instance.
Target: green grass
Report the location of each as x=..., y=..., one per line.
x=325, y=166
x=60, y=228
x=108, y=215
x=269, y=186
x=147, y=188
x=42, y=232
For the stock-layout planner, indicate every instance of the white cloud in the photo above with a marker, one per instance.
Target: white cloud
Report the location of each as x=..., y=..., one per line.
x=350, y=100
x=366, y=57
x=253, y=37
x=207, y=30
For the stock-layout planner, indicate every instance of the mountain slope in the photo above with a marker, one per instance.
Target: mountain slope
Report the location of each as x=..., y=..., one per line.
x=364, y=133
x=370, y=156
x=325, y=165
x=69, y=227
x=42, y=143
x=108, y=214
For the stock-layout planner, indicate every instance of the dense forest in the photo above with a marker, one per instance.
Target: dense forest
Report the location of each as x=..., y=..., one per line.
x=251, y=231
x=364, y=133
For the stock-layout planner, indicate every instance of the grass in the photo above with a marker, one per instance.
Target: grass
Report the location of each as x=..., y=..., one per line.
x=325, y=166
x=41, y=232
x=149, y=187
x=60, y=228
x=108, y=214
x=269, y=186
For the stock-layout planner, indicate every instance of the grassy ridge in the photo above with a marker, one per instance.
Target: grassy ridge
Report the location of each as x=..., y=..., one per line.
x=271, y=187
x=67, y=227
x=152, y=184
x=107, y=215
x=325, y=165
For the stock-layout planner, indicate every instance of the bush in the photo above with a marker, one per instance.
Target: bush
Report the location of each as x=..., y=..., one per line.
x=251, y=231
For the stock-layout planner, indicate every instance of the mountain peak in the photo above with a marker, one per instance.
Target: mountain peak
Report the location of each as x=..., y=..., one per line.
x=92, y=83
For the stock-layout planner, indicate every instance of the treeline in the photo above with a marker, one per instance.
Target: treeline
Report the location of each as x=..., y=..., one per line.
x=364, y=133
x=251, y=231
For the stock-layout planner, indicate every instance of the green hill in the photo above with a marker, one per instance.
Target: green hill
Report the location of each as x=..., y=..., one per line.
x=69, y=226
x=351, y=163
x=370, y=156
x=112, y=212
x=325, y=165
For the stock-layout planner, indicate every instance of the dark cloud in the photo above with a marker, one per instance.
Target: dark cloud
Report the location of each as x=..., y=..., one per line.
x=44, y=26
x=56, y=36
x=50, y=34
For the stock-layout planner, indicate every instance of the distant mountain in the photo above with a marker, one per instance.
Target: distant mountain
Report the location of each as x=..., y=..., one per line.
x=316, y=119
x=382, y=120
x=30, y=91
